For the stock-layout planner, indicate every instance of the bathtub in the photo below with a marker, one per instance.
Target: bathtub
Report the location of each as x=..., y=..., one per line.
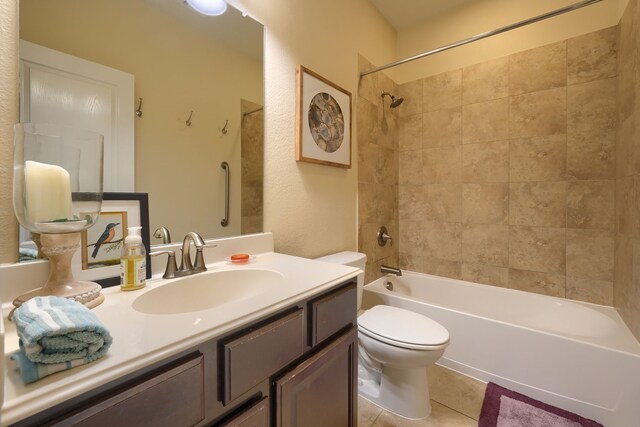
x=577, y=356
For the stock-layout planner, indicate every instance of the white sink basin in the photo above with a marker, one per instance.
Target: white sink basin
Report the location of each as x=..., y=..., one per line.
x=203, y=291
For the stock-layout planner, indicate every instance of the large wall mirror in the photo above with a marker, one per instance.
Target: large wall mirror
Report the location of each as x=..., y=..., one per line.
x=201, y=83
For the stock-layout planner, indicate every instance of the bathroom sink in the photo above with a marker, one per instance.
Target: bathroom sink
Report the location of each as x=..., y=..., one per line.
x=207, y=290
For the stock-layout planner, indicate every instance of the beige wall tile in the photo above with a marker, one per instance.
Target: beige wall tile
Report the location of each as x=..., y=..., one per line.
x=627, y=60
x=412, y=94
x=590, y=254
x=540, y=113
x=410, y=262
x=388, y=135
x=540, y=283
x=485, y=244
x=627, y=200
x=486, y=203
x=368, y=87
x=368, y=123
x=592, y=106
x=539, y=249
x=538, y=159
x=410, y=239
x=591, y=155
x=387, y=203
x=540, y=204
x=485, y=274
x=485, y=121
x=485, y=81
x=625, y=148
x=592, y=56
x=367, y=162
x=387, y=171
x=442, y=165
x=367, y=243
x=525, y=73
x=590, y=204
x=442, y=91
x=443, y=202
x=589, y=290
x=485, y=162
x=412, y=204
x=442, y=267
x=442, y=240
x=367, y=203
x=442, y=128
x=410, y=132
x=410, y=167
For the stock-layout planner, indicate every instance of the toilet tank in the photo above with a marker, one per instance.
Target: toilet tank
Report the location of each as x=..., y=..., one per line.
x=352, y=259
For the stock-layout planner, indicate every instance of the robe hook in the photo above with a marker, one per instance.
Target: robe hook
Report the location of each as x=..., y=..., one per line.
x=139, y=109
x=224, y=128
x=188, y=122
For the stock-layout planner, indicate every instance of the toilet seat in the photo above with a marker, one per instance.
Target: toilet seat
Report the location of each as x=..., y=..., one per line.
x=403, y=328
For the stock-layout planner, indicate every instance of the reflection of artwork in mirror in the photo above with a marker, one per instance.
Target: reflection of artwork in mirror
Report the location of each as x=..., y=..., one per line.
x=323, y=121
x=102, y=243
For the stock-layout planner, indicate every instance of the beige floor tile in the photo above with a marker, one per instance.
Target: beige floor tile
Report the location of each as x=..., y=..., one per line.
x=441, y=416
x=367, y=412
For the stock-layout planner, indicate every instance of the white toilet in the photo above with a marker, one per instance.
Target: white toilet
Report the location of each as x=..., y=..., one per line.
x=396, y=346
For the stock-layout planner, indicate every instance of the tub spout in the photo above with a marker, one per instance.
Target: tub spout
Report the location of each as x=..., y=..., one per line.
x=392, y=270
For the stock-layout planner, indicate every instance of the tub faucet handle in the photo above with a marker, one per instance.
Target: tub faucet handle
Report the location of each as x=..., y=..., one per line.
x=383, y=236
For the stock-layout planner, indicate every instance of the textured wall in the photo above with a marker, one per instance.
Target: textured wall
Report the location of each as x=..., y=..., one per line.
x=377, y=170
x=507, y=170
x=626, y=295
x=8, y=116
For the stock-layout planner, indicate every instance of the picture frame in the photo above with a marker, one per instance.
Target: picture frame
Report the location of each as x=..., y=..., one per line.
x=99, y=261
x=323, y=120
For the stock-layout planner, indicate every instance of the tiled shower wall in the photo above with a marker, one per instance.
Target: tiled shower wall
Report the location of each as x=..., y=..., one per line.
x=252, y=160
x=626, y=295
x=377, y=170
x=506, y=170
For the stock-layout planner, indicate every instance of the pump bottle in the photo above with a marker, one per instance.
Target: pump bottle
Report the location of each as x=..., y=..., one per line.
x=133, y=261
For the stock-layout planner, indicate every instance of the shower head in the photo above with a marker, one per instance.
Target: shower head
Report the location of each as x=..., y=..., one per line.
x=394, y=101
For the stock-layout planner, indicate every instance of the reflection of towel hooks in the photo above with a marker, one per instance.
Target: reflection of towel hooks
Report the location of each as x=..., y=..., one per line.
x=188, y=122
x=139, y=110
x=224, y=128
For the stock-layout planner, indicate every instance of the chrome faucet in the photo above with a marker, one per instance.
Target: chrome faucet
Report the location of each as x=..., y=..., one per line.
x=162, y=233
x=186, y=267
x=392, y=270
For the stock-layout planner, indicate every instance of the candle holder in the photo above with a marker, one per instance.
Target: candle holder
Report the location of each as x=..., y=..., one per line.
x=57, y=193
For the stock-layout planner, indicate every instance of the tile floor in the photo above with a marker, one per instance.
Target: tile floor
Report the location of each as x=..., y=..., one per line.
x=370, y=415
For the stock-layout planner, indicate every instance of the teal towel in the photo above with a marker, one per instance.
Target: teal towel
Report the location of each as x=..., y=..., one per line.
x=57, y=334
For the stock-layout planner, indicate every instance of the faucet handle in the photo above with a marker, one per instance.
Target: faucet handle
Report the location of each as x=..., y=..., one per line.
x=200, y=265
x=170, y=269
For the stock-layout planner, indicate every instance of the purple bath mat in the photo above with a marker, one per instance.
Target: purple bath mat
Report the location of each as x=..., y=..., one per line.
x=506, y=408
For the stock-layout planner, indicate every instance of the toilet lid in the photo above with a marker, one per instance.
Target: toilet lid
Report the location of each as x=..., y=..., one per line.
x=402, y=327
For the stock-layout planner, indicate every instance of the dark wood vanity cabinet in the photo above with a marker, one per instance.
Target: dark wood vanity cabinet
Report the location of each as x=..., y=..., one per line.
x=295, y=367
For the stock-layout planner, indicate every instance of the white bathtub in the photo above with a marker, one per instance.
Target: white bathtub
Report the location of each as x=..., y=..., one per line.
x=577, y=356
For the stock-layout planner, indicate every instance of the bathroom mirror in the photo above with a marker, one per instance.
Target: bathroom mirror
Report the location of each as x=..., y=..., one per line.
x=200, y=81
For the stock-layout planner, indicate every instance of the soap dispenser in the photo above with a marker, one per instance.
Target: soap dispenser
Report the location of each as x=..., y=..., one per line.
x=133, y=261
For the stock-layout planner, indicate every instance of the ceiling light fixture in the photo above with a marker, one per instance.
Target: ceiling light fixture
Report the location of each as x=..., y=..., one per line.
x=208, y=7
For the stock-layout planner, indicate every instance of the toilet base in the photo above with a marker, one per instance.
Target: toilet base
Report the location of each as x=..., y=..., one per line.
x=403, y=392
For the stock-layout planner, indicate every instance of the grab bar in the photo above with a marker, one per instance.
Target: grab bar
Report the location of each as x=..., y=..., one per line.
x=225, y=220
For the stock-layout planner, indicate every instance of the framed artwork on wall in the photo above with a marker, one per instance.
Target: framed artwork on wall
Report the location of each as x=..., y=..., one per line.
x=323, y=120
x=101, y=244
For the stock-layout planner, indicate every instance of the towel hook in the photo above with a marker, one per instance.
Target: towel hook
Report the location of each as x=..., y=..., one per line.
x=224, y=128
x=139, y=109
x=188, y=122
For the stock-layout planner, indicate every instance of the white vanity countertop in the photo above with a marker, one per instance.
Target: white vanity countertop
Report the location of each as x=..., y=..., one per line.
x=141, y=339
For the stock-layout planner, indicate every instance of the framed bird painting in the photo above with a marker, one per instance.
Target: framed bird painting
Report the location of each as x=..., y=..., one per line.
x=101, y=245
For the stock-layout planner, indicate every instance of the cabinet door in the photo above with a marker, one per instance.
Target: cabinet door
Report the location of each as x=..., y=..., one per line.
x=321, y=391
x=257, y=415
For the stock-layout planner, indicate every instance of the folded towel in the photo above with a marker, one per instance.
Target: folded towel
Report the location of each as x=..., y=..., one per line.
x=57, y=334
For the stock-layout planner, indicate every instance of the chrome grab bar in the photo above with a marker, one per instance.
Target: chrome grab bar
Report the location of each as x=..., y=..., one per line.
x=225, y=220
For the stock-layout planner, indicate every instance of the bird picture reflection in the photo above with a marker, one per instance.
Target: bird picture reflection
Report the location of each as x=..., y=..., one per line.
x=102, y=243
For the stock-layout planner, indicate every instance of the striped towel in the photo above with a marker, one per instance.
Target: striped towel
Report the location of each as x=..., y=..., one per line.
x=57, y=334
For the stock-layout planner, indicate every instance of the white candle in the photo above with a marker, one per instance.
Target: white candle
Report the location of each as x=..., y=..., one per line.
x=47, y=192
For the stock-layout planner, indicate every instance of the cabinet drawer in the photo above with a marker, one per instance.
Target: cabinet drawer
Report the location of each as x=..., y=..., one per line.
x=171, y=398
x=257, y=355
x=332, y=312
x=257, y=415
